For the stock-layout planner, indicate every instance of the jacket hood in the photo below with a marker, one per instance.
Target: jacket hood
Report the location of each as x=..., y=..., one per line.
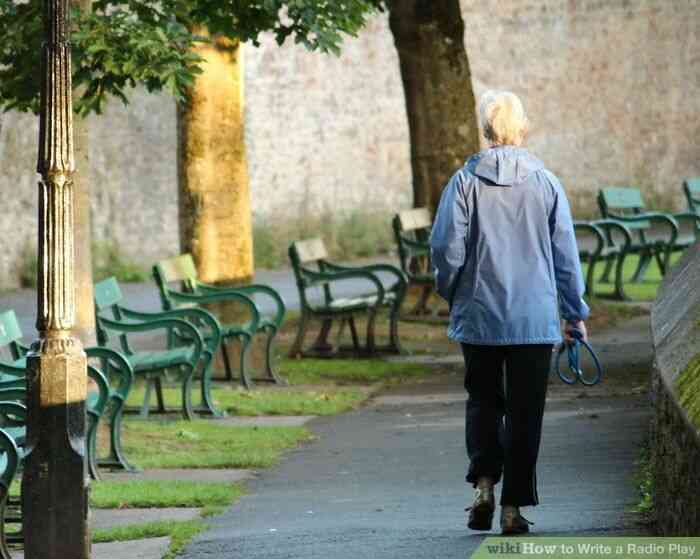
x=504, y=165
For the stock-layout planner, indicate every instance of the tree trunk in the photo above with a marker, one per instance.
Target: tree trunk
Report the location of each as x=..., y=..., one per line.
x=84, y=302
x=429, y=38
x=214, y=195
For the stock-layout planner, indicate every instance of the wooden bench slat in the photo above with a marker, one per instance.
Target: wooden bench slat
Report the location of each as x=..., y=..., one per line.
x=417, y=218
x=618, y=197
x=311, y=250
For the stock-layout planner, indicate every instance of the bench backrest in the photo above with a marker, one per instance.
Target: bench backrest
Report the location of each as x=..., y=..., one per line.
x=306, y=252
x=619, y=201
x=177, y=269
x=301, y=255
x=10, y=331
x=691, y=187
x=412, y=231
x=108, y=296
x=417, y=218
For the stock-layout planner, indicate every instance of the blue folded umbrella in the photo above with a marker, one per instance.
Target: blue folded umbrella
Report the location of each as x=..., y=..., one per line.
x=574, y=373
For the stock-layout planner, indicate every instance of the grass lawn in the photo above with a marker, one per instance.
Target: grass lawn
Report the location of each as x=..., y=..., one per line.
x=206, y=444
x=643, y=291
x=349, y=371
x=162, y=494
x=180, y=533
x=270, y=401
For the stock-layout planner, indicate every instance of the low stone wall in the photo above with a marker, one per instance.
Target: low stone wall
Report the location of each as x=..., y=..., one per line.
x=675, y=433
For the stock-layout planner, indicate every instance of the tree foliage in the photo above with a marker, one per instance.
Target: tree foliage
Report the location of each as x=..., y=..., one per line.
x=124, y=43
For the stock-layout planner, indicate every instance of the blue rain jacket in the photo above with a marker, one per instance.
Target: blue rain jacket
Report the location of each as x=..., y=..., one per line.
x=504, y=251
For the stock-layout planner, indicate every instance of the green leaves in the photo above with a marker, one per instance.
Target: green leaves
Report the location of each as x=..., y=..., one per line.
x=124, y=43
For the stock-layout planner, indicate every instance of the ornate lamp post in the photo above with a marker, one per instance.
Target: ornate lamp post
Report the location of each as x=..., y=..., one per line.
x=54, y=485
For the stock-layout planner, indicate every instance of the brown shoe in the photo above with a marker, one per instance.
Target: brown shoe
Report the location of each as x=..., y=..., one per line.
x=481, y=512
x=513, y=523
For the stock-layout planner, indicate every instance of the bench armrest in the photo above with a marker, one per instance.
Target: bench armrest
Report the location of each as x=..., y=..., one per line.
x=657, y=217
x=103, y=391
x=329, y=277
x=8, y=447
x=114, y=364
x=608, y=226
x=597, y=233
x=253, y=289
x=401, y=280
x=200, y=318
x=688, y=216
x=226, y=296
x=167, y=324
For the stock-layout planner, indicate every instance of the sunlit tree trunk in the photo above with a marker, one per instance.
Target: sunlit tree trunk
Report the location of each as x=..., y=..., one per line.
x=429, y=38
x=214, y=195
x=85, y=306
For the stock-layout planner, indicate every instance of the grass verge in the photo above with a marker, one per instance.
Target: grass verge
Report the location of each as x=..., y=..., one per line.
x=643, y=479
x=206, y=444
x=643, y=291
x=180, y=533
x=270, y=402
x=349, y=371
x=162, y=494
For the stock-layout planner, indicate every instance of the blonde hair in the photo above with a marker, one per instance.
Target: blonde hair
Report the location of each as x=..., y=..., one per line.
x=502, y=117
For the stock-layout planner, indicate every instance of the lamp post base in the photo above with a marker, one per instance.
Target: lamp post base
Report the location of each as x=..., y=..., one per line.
x=55, y=480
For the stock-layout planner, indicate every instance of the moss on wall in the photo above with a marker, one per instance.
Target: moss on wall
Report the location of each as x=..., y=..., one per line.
x=688, y=387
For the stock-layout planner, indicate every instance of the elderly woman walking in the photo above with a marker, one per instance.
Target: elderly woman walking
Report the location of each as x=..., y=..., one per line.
x=506, y=260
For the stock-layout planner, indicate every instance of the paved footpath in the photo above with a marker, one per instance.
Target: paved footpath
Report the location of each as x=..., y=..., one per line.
x=387, y=481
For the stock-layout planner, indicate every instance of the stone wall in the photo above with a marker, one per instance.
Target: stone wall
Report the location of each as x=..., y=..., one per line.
x=675, y=433
x=611, y=87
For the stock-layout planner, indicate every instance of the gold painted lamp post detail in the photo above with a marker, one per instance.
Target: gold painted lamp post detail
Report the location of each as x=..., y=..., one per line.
x=54, y=485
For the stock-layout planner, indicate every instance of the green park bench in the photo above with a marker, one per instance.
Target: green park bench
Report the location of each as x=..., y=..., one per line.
x=607, y=241
x=312, y=270
x=110, y=373
x=172, y=273
x=412, y=233
x=191, y=339
x=13, y=416
x=691, y=187
x=625, y=205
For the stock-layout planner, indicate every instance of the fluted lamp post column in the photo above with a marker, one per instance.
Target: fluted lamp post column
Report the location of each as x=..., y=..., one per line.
x=54, y=485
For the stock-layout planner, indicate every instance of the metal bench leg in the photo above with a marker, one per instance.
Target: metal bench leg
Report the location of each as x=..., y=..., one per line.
x=145, y=408
x=298, y=343
x=269, y=356
x=394, y=340
x=158, y=384
x=116, y=458
x=371, y=343
x=4, y=550
x=228, y=373
x=245, y=346
x=619, y=277
x=207, y=406
x=590, y=277
x=187, y=409
x=321, y=344
x=605, y=276
x=353, y=333
x=640, y=272
x=91, y=442
x=422, y=304
x=663, y=258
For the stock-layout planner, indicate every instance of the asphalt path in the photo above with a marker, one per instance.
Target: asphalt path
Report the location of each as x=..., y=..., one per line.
x=387, y=481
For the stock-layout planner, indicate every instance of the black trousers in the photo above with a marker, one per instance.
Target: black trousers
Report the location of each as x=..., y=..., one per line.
x=506, y=383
